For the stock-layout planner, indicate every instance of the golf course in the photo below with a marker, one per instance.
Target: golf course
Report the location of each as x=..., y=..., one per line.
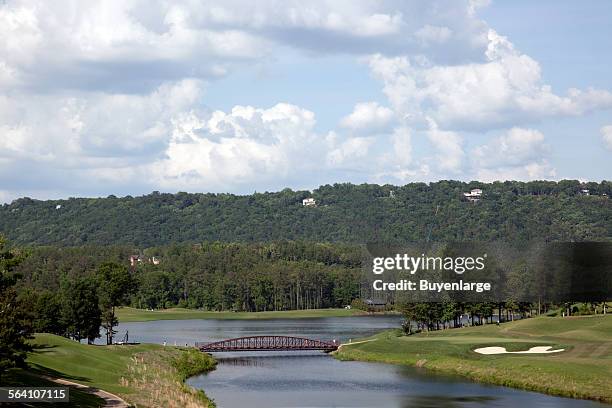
x=144, y=374
x=582, y=370
x=154, y=375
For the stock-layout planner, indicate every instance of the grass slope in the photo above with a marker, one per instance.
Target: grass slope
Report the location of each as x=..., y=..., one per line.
x=129, y=314
x=27, y=378
x=97, y=366
x=146, y=374
x=584, y=370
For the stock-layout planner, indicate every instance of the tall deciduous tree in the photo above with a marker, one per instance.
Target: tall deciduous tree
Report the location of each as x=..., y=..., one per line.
x=14, y=326
x=80, y=310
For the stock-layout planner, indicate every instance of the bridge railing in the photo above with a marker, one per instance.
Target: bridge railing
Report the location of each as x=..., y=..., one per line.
x=267, y=343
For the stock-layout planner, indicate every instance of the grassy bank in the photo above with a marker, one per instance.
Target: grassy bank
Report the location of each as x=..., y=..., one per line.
x=128, y=314
x=146, y=375
x=158, y=380
x=32, y=378
x=584, y=370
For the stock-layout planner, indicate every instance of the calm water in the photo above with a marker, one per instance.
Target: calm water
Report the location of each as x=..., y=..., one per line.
x=315, y=379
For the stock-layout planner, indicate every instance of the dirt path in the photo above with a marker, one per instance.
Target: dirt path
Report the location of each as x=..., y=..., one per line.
x=355, y=342
x=111, y=400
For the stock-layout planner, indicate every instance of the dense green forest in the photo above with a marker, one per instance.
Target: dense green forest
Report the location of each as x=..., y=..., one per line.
x=213, y=276
x=74, y=291
x=538, y=210
x=80, y=258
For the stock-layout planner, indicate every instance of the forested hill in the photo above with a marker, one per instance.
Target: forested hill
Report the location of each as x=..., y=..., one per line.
x=343, y=213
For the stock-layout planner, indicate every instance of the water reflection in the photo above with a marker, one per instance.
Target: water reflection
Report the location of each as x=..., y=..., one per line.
x=318, y=380
x=315, y=379
x=189, y=331
x=321, y=381
x=440, y=401
x=258, y=360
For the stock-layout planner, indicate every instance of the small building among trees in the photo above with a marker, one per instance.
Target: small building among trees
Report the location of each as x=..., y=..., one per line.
x=375, y=305
x=309, y=202
x=474, y=195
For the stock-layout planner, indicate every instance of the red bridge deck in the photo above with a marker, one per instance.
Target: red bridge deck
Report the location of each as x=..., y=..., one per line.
x=267, y=343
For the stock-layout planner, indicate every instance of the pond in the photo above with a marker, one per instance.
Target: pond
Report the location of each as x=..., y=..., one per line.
x=315, y=379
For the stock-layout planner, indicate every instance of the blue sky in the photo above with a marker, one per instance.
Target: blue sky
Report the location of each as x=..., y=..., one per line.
x=129, y=97
x=572, y=42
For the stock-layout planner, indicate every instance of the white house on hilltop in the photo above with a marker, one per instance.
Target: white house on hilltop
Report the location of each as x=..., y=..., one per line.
x=309, y=202
x=137, y=259
x=473, y=195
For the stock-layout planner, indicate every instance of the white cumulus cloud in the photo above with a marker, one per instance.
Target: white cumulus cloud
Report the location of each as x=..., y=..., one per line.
x=350, y=152
x=368, y=117
x=519, y=154
x=83, y=126
x=516, y=147
x=109, y=97
x=530, y=171
x=136, y=45
x=239, y=148
x=606, y=136
x=449, y=147
x=506, y=89
x=433, y=34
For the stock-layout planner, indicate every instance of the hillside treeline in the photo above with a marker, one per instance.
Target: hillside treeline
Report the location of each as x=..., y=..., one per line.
x=74, y=291
x=212, y=276
x=517, y=211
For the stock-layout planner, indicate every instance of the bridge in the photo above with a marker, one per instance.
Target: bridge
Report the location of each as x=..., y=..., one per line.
x=267, y=343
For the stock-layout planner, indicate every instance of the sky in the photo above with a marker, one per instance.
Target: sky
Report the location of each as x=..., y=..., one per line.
x=127, y=97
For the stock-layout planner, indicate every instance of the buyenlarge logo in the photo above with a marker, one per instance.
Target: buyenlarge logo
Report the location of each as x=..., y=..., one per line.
x=411, y=264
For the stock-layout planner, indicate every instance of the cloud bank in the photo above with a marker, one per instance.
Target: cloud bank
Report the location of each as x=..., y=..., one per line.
x=99, y=98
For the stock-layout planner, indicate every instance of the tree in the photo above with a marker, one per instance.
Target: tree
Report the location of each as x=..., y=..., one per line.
x=46, y=309
x=451, y=313
x=14, y=325
x=154, y=290
x=115, y=284
x=80, y=310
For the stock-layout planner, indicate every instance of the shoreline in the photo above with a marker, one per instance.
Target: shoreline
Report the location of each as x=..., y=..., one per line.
x=129, y=315
x=572, y=374
x=533, y=387
x=148, y=372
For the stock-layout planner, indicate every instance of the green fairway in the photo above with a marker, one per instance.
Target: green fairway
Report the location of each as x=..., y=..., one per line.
x=129, y=371
x=583, y=370
x=98, y=366
x=129, y=314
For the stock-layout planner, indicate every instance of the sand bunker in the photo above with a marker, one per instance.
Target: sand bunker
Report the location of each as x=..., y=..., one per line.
x=502, y=350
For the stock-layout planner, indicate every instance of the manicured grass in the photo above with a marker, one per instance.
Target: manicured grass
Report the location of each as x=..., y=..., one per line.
x=97, y=366
x=128, y=314
x=28, y=378
x=131, y=371
x=584, y=370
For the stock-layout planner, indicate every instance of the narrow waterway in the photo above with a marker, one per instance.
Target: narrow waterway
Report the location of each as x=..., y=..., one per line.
x=315, y=379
